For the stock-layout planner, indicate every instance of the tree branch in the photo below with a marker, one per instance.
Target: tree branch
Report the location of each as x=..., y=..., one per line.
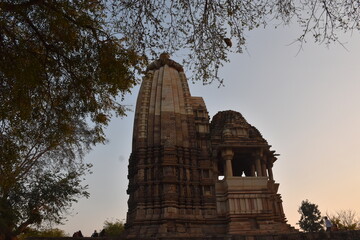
x=10, y=7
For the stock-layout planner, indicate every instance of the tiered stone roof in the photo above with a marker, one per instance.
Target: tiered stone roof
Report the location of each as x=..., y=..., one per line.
x=231, y=127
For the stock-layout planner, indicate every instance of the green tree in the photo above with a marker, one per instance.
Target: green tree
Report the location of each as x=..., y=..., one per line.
x=50, y=232
x=310, y=220
x=62, y=75
x=345, y=220
x=113, y=228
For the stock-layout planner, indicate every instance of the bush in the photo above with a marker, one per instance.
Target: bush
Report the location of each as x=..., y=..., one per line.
x=51, y=232
x=113, y=229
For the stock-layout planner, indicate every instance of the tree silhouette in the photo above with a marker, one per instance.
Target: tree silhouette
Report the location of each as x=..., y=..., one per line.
x=310, y=220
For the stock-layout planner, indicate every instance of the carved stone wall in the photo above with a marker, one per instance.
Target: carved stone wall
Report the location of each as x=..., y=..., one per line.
x=171, y=184
x=189, y=178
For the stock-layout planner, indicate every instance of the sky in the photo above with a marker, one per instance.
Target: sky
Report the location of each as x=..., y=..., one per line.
x=304, y=100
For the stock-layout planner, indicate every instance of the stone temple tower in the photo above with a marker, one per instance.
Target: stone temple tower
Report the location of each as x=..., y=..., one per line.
x=171, y=188
x=189, y=178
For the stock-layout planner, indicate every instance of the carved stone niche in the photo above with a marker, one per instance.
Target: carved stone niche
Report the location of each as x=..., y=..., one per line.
x=168, y=171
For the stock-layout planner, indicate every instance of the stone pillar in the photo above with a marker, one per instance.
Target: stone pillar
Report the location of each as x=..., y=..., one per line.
x=263, y=168
x=263, y=164
x=253, y=169
x=258, y=165
x=228, y=155
x=271, y=176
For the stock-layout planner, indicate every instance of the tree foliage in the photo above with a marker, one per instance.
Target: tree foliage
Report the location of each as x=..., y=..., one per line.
x=50, y=232
x=310, y=220
x=43, y=195
x=345, y=220
x=113, y=228
x=61, y=75
x=204, y=26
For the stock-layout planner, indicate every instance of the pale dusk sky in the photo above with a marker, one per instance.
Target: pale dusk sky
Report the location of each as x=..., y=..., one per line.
x=306, y=105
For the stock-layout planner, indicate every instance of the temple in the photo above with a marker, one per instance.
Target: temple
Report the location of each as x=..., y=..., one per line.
x=189, y=178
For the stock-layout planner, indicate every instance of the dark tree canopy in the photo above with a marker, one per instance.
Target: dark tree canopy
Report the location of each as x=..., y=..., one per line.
x=310, y=220
x=61, y=77
x=66, y=65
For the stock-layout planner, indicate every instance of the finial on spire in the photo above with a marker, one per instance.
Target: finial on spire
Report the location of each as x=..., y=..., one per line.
x=164, y=56
x=164, y=59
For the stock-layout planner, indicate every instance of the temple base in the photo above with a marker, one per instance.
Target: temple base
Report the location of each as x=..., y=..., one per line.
x=251, y=205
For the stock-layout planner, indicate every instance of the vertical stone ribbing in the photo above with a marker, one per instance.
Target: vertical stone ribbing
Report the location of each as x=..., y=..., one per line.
x=165, y=189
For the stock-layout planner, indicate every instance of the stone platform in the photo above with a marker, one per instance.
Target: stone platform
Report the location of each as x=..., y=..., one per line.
x=338, y=235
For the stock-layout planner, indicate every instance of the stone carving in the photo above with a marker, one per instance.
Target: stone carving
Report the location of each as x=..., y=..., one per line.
x=177, y=159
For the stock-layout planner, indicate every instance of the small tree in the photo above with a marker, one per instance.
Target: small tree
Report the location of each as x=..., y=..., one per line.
x=310, y=220
x=345, y=220
x=114, y=229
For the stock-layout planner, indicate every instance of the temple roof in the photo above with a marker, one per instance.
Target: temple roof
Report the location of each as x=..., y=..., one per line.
x=164, y=107
x=231, y=127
